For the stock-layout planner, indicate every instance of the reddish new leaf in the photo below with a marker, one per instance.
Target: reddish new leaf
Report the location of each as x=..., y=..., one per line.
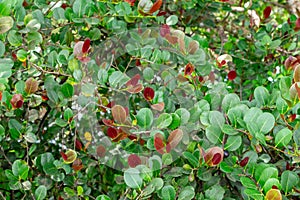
x=164, y=30
x=213, y=156
x=131, y=2
x=119, y=113
x=159, y=106
x=267, y=12
x=159, y=143
x=112, y=132
x=134, y=160
x=174, y=138
x=108, y=122
x=156, y=6
x=0, y=95
x=134, y=80
x=101, y=150
x=149, y=93
x=297, y=25
x=17, y=101
x=135, y=89
x=77, y=165
x=86, y=45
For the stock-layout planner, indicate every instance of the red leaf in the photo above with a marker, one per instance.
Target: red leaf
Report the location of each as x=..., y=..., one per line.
x=134, y=80
x=132, y=137
x=101, y=151
x=164, y=30
x=64, y=6
x=189, y=69
x=86, y=45
x=244, y=162
x=231, y=75
x=159, y=144
x=112, y=132
x=267, y=12
x=119, y=113
x=63, y=155
x=217, y=158
x=78, y=144
x=108, y=122
x=149, y=93
x=174, y=138
x=0, y=95
x=134, y=160
x=156, y=6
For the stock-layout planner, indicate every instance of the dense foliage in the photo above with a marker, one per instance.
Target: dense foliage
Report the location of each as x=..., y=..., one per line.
x=146, y=99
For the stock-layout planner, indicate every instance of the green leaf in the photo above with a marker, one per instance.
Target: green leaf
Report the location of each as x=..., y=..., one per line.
x=79, y=7
x=14, y=38
x=265, y=122
x=163, y=121
x=2, y=49
x=252, y=115
x=187, y=193
x=132, y=178
x=68, y=114
x=102, y=76
x=6, y=23
x=148, y=74
x=269, y=184
x=254, y=194
x=229, y=130
x=233, y=143
x=216, y=119
x=68, y=90
x=117, y=79
x=5, y=65
x=183, y=114
x=213, y=134
x=191, y=158
x=157, y=183
x=229, y=101
x=289, y=179
x=270, y=172
x=144, y=118
x=216, y=192
x=261, y=95
x=102, y=197
x=168, y=192
x=248, y=183
x=20, y=169
x=172, y=20
x=281, y=105
x=2, y=132
x=283, y=137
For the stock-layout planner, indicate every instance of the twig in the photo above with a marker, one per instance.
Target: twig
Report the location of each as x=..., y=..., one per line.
x=48, y=72
x=6, y=158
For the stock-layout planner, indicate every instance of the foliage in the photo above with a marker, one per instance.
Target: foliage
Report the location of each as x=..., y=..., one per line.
x=149, y=99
